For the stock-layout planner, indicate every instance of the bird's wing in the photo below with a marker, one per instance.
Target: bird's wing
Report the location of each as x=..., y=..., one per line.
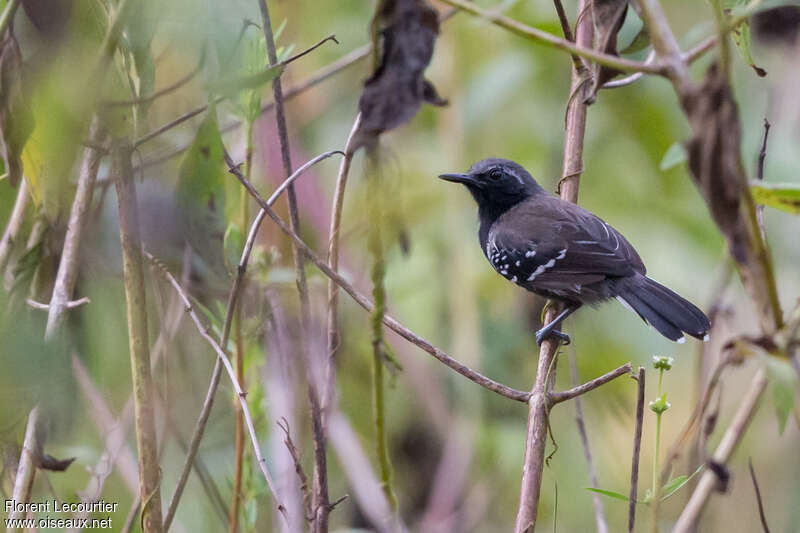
x=558, y=246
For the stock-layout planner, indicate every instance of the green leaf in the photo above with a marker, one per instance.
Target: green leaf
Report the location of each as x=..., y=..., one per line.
x=609, y=493
x=674, y=485
x=16, y=117
x=741, y=37
x=783, y=396
x=233, y=245
x=674, y=156
x=783, y=196
x=200, y=195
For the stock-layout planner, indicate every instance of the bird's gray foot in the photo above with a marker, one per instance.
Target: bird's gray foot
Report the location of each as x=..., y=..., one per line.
x=545, y=332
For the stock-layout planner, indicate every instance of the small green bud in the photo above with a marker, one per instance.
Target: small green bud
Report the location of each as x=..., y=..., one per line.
x=661, y=362
x=660, y=404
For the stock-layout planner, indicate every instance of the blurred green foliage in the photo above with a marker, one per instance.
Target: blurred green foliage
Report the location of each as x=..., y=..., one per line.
x=507, y=99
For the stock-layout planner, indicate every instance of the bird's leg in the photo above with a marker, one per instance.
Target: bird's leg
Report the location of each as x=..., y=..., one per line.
x=549, y=329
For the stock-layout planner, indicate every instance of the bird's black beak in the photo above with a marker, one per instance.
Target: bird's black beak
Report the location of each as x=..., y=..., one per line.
x=465, y=179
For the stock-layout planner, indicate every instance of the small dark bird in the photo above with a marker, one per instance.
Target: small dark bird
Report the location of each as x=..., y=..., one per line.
x=559, y=250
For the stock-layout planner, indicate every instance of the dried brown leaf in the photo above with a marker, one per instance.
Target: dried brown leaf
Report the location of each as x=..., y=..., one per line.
x=714, y=158
x=406, y=33
x=16, y=118
x=608, y=17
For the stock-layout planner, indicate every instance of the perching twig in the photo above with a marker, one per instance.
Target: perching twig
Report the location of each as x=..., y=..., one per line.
x=68, y=266
x=222, y=356
x=637, y=446
x=366, y=303
x=600, y=518
x=580, y=48
x=761, y=513
x=72, y=304
x=14, y=225
x=26, y=468
x=539, y=402
x=691, y=513
x=558, y=397
x=149, y=470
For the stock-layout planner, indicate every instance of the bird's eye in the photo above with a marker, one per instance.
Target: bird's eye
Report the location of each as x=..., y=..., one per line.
x=495, y=174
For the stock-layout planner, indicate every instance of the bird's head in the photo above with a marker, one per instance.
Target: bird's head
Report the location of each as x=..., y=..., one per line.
x=497, y=184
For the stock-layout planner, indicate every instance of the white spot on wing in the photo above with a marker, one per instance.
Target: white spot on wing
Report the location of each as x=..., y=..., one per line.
x=530, y=253
x=706, y=338
x=541, y=269
x=681, y=340
x=561, y=254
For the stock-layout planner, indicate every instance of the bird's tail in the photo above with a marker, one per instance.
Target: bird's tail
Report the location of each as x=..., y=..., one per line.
x=660, y=307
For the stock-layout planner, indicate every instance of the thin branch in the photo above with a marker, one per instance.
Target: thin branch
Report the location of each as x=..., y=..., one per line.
x=623, y=82
x=322, y=75
x=762, y=156
x=222, y=356
x=543, y=37
x=330, y=37
x=699, y=50
x=539, y=402
x=136, y=307
x=637, y=446
x=333, y=264
x=26, y=468
x=600, y=518
x=72, y=304
x=70, y=255
x=691, y=513
x=574, y=392
x=8, y=15
x=161, y=92
x=298, y=467
x=14, y=225
x=205, y=411
x=366, y=303
x=761, y=514
x=320, y=502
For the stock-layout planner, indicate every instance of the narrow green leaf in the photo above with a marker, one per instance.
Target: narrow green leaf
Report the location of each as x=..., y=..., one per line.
x=741, y=37
x=783, y=397
x=609, y=493
x=785, y=197
x=674, y=156
x=674, y=485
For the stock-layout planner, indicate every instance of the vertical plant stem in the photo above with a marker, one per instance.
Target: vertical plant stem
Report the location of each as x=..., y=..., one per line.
x=239, y=439
x=26, y=468
x=68, y=266
x=539, y=404
x=600, y=519
x=637, y=447
x=149, y=470
x=656, y=490
x=333, y=263
x=733, y=435
x=320, y=503
x=378, y=274
x=14, y=225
